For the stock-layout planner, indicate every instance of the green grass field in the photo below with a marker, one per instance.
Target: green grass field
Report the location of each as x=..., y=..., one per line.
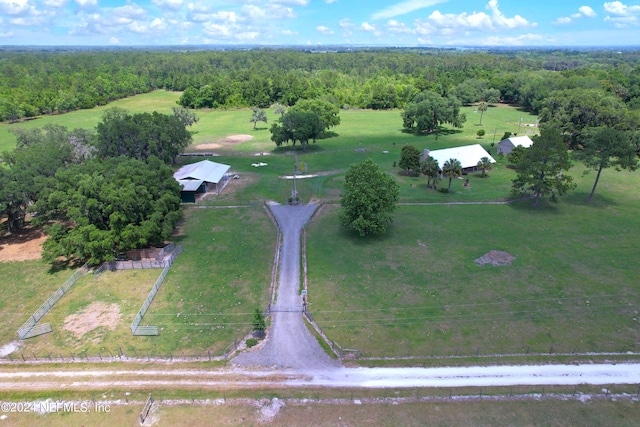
x=414, y=291
x=206, y=302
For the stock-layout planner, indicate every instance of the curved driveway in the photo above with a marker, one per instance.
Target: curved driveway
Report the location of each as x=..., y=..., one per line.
x=289, y=343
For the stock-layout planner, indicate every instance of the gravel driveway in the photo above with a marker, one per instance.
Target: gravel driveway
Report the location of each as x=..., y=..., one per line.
x=289, y=344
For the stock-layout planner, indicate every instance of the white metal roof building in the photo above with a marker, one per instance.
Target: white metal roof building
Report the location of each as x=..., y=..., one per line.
x=200, y=177
x=507, y=145
x=467, y=155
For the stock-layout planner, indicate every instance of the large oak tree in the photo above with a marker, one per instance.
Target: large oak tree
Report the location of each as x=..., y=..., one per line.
x=369, y=199
x=430, y=110
x=98, y=209
x=542, y=168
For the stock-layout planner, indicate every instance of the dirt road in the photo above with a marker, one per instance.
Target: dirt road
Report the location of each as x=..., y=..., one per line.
x=290, y=344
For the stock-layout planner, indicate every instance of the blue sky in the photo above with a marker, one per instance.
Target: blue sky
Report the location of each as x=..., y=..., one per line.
x=321, y=22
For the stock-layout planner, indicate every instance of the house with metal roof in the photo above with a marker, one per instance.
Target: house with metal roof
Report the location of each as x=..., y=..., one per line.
x=467, y=155
x=200, y=178
x=507, y=145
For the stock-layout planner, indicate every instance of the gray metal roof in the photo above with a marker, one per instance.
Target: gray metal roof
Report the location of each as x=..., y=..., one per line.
x=205, y=170
x=523, y=141
x=467, y=155
x=190, y=184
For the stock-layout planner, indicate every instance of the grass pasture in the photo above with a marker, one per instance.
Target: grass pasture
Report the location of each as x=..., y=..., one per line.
x=206, y=302
x=413, y=291
x=103, y=307
x=381, y=413
x=416, y=290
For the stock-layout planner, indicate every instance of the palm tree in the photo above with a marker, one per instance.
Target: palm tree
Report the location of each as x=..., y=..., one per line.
x=279, y=109
x=482, y=107
x=452, y=169
x=258, y=115
x=485, y=165
x=429, y=168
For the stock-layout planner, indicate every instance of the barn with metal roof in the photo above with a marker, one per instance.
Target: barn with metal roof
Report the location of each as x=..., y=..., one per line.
x=201, y=177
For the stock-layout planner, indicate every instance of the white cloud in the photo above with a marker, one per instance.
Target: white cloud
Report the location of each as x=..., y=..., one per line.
x=55, y=3
x=29, y=21
x=280, y=12
x=623, y=15
x=289, y=33
x=129, y=11
x=503, y=22
x=87, y=3
x=230, y=31
x=223, y=16
x=159, y=24
x=404, y=8
x=367, y=27
x=587, y=11
x=169, y=4
x=6, y=35
x=198, y=7
x=449, y=24
x=621, y=9
x=521, y=40
x=291, y=2
x=330, y=1
x=114, y=40
x=345, y=24
x=254, y=12
x=394, y=26
x=324, y=30
x=622, y=21
x=15, y=7
x=563, y=20
x=583, y=11
x=138, y=27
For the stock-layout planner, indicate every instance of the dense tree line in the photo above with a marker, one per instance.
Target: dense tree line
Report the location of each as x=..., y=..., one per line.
x=96, y=193
x=35, y=83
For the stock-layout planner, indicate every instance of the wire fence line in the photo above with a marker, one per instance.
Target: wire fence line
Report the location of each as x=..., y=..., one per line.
x=29, y=328
x=136, y=329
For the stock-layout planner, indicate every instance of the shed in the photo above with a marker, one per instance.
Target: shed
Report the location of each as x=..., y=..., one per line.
x=201, y=177
x=507, y=145
x=467, y=155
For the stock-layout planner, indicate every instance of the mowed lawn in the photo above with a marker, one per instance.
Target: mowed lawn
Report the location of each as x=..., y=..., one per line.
x=416, y=291
x=210, y=295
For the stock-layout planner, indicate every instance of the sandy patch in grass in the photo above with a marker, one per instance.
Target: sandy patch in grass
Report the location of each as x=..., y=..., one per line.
x=208, y=146
x=92, y=317
x=496, y=258
x=7, y=349
x=236, y=139
x=227, y=140
x=22, y=246
x=270, y=409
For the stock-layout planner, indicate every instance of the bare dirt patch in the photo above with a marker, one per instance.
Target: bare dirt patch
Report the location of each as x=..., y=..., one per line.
x=496, y=258
x=236, y=139
x=97, y=314
x=22, y=246
x=208, y=146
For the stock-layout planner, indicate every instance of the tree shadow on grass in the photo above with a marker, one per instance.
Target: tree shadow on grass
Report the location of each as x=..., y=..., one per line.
x=298, y=149
x=440, y=131
x=371, y=239
x=581, y=198
x=527, y=204
x=60, y=265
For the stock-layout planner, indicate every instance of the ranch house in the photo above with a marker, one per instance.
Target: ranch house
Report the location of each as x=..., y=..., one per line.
x=467, y=155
